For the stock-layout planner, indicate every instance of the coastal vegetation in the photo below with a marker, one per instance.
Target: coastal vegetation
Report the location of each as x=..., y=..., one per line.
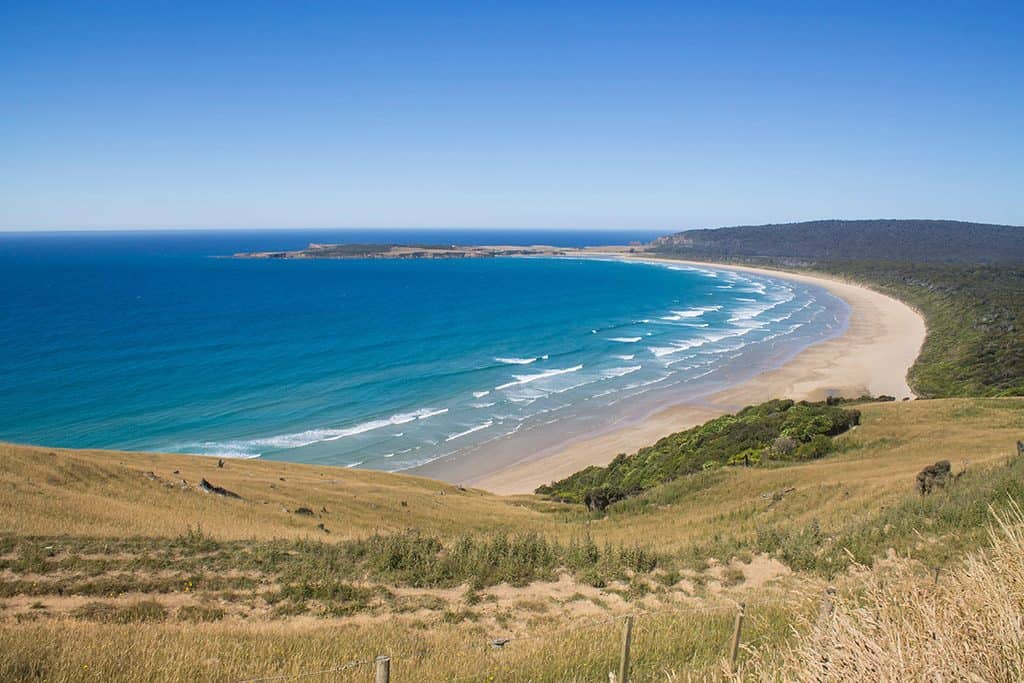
x=856, y=240
x=103, y=554
x=168, y=567
x=904, y=623
x=780, y=430
x=975, y=315
x=965, y=278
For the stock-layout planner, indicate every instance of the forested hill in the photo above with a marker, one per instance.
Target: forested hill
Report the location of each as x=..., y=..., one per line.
x=903, y=240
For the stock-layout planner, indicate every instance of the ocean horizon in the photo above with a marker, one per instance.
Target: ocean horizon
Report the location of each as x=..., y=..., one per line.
x=149, y=342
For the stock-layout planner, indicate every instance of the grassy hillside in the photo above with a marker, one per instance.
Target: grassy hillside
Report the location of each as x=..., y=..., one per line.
x=101, y=554
x=901, y=240
x=975, y=317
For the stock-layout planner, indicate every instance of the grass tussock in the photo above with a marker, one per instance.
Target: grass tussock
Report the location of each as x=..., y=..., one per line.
x=666, y=647
x=903, y=624
x=259, y=590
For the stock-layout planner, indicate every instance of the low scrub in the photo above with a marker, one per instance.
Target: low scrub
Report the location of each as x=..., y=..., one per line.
x=135, y=612
x=935, y=529
x=778, y=430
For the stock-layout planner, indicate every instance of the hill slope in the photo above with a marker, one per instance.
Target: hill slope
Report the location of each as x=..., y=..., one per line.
x=100, y=555
x=901, y=240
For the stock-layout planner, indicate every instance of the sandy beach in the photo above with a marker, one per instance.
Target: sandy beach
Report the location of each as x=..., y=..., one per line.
x=872, y=356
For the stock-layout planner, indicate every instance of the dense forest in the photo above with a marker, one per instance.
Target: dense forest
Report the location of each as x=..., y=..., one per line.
x=966, y=278
x=900, y=240
x=778, y=430
x=975, y=314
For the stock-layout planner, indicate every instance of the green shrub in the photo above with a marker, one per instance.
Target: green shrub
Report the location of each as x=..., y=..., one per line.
x=780, y=428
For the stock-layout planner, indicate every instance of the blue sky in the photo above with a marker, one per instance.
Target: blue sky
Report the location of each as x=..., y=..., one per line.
x=549, y=114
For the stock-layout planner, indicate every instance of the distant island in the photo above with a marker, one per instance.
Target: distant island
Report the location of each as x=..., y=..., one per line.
x=403, y=251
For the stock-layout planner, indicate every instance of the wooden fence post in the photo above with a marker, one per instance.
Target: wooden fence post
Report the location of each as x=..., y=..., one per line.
x=627, y=637
x=383, y=670
x=737, y=629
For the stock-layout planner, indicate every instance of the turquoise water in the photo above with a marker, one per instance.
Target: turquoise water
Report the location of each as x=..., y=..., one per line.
x=148, y=343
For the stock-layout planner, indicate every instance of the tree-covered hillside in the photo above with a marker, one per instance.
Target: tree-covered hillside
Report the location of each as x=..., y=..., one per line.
x=975, y=315
x=966, y=278
x=903, y=240
x=778, y=430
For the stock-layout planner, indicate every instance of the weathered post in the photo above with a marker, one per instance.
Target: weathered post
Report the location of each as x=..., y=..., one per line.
x=383, y=670
x=737, y=629
x=627, y=638
x=1020, y=449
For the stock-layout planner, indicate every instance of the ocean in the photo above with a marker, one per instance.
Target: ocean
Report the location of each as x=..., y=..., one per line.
x=147, y=341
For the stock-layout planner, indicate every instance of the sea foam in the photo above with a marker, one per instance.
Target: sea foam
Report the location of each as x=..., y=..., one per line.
x=476, y=428
x=526, y=379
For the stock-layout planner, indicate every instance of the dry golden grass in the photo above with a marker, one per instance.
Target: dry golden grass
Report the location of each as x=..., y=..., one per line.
x=54, y=494
x=901, y=624
x=894, y=442
x=45, y=491
x=687, y=646
x=105, y=493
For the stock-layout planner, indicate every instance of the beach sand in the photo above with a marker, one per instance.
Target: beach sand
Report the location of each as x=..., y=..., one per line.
x=872, y=356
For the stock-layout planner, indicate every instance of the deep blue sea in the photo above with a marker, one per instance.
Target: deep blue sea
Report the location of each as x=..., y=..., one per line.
x=144, y=341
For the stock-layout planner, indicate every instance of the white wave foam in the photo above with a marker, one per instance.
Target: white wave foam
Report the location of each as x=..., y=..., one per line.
x=691, y=313
x=625, y=340
x=516, y=361
x=251, y=448
x=477, y=428
x=213, y=450
x=629, y=357
x=619, y=372
x=483, y=405
x=526, y=379
x=480, y=394
x=660, y=351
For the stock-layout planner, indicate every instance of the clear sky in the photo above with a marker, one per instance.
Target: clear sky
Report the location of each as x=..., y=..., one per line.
x=515, y=114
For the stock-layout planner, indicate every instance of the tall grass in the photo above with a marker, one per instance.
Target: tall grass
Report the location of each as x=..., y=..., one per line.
x=903, y=625
x=666, y=647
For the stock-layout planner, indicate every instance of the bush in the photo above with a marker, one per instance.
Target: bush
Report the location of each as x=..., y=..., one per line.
x=818, y=446
x=780, y=428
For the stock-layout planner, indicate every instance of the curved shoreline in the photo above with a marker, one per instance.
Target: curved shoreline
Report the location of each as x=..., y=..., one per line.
x=882, y=339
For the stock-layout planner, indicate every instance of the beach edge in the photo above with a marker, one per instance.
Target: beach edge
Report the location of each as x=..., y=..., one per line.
x=882, y=340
